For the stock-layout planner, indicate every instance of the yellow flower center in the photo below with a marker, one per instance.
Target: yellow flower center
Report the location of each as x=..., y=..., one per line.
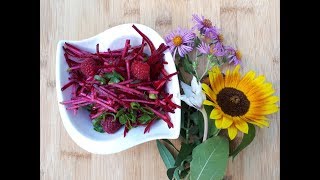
x=177, y=41
x=207, y=23
x=220, y=37
x=212, y=51
x=238, y=54
x=233, y=102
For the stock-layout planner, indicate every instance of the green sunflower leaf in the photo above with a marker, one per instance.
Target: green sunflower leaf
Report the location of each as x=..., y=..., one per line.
x=212, y=129
x=209, y=159
x=246, y=140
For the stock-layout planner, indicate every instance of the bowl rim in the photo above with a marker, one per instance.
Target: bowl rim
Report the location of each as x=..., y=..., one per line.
x=81, y=140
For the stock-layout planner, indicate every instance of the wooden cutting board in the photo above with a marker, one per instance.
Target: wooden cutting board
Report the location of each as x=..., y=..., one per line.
x=251, y=25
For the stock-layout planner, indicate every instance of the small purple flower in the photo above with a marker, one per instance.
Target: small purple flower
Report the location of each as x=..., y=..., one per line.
x=215, y=49
x=204, y=26
x=219, y=49
x=181, y=40
x=204, y=48
x=233, y=55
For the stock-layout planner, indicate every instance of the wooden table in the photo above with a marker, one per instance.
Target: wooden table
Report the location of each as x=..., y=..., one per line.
x=251, y=25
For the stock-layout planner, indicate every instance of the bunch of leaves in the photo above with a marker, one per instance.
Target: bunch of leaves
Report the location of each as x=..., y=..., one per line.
x=196, y=159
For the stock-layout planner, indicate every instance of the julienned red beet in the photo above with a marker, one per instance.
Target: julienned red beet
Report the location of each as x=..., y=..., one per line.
x=120, y=83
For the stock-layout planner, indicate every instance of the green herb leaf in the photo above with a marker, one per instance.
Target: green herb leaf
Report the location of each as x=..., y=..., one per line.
x=123, y=119
x=99, y=129
x=100, y=79
x=114, y=77
x=135, y=105
x=145, y=118
x=147, y=111
x=120, y=112
x=246, y=140
x=132, y=117
x=165, y=155
x=97, y=123
x=209, y=159
x=153, y=96
x=185, y=151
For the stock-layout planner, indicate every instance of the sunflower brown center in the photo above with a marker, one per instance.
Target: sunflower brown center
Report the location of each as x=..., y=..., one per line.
x=207, y=23
x=233, y=102
x=177, y=41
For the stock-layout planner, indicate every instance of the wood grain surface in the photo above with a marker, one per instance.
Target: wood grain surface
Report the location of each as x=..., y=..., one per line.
x=251, y=25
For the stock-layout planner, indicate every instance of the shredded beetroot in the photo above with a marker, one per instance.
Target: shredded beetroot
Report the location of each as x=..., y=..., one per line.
x=104, y=83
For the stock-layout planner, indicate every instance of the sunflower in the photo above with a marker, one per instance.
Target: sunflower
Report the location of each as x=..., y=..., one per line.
x=239, y=100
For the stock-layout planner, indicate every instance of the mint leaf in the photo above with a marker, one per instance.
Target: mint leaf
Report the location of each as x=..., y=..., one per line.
x=100, y=79
x=97, y=123
x=147, y=111
x=135, y=105
x=246, y=140
x=120, y=112
x=123, y=119
x=144, y=118
x=209, y=159
x=153, y=96
x=113, y=77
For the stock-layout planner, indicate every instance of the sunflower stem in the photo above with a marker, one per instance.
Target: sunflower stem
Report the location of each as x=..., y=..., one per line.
x=205, y=123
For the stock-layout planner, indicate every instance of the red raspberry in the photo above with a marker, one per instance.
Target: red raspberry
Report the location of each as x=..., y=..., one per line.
x=109, y=126
x=140, y=70
x=89, y=67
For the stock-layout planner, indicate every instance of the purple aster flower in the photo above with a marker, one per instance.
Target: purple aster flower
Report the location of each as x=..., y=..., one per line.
x=215, y=49
x=181, y=40
x=204, y=26
x=204, y=48
x=218, y=49
x=233, y=55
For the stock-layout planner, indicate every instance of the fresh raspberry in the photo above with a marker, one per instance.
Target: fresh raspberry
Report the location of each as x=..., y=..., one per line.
x=140, y=70
x=89, y=67
x=109, y=126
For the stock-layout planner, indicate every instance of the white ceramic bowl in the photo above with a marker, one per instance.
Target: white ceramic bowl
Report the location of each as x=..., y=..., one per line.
x=80, y=128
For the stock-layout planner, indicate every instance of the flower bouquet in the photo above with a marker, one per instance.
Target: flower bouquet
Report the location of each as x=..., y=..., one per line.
x=216, y=105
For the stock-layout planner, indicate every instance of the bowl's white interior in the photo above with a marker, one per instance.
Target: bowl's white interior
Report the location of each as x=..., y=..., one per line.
x=80, y=128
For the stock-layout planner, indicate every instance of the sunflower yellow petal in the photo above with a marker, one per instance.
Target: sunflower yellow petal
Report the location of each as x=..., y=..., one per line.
x=226, y=122
x=245, y=81
x=208, y=103
x=268, y=100
x=236, y=76
x=241, y=125
x=218, y=123
x=215, y=114
x=208, y=91
x=219, y=83
x=232, y=132
x=228, y=79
